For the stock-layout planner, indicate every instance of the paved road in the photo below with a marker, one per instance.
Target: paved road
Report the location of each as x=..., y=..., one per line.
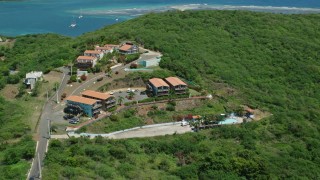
x=43, y=128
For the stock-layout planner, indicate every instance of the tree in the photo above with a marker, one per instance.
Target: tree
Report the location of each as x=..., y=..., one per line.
x=120, y=100
x=131, y=95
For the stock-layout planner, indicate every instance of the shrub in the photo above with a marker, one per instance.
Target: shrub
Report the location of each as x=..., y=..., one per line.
x=170, y=107
x=83, y=77
x=114, y=118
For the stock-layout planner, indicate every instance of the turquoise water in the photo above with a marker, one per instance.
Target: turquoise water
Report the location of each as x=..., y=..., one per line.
x=228, y=121
x=55, y=16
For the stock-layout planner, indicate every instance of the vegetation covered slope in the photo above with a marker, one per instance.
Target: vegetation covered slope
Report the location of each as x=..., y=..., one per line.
x=16, y=145
x=272, y=60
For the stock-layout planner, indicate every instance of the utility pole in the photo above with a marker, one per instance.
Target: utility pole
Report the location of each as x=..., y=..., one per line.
x=47, y=94
x=49, y=129
x=71, y=70
x=40, y=175
x=57, y=94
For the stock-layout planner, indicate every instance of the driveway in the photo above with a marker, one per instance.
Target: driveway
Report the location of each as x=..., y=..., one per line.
x=153, y=131
x=138, y=96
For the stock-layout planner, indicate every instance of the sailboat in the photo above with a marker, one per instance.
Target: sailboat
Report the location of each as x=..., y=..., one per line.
x=80, y=16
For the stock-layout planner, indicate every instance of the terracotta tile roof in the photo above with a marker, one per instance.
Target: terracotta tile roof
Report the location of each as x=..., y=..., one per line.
x=111, y=45
x=86, y=58
x=125, y=47
x=102, y=48
x=174, y=81
x=92, y=52
x=158, y=82
x=95, y=94
x=82, y=100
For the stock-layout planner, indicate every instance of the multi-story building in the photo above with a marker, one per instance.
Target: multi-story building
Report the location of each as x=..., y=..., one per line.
x=178, y=86
x=90, y=107
x=107, y=101
x=104, y=49
x=128, y=48
x=94, y=53
x=85, y=62
x=158, y=87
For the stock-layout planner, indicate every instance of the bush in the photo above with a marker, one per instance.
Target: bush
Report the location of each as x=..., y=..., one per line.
x=114, y=118
x=83, y=77
x=170, y=107
x=13, y=79
x=73, y=78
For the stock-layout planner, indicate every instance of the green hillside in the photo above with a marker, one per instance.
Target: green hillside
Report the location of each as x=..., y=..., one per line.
x=271, y=61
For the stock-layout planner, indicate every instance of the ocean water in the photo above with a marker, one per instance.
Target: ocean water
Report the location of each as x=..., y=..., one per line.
x=55, y=16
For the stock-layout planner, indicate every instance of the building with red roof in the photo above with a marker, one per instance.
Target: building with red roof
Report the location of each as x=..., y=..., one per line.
x=177, y=85
x=158, y=87
x=85, y=62
x=107, y=100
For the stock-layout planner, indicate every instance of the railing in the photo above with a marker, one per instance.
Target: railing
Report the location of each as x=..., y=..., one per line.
x=162, y=90
x=111, y=101
x=180, y=88
x=97, y=106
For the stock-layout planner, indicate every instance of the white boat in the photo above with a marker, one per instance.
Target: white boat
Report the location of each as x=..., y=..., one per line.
x=73, y=25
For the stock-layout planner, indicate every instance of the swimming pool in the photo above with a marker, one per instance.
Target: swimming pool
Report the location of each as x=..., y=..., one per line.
x=228, y=121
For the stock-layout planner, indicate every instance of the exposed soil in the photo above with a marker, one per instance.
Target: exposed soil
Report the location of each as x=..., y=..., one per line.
x=9, y=91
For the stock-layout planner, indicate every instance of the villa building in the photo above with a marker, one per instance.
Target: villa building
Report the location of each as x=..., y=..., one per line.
x=106, y=100
x=90, y=107
x=128, y=48
x=178, y=86
x=158, y=87
x=104, y=49
x=94, y=53
x=85, y=62
x=32, y=77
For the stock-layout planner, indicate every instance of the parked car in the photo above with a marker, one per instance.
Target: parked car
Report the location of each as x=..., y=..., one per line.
x=73, y=122
x=111, y=92
x=68, y=116
x=129, y=90
x=74, y=119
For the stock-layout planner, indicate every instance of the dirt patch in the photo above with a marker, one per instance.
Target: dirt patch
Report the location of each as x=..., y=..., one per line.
x=9, y=91
x=125, y=83
x=188, y=104
x=258, y=114
x=180, y=106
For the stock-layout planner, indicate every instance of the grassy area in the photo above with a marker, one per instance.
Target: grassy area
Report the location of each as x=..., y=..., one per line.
x=154, y=115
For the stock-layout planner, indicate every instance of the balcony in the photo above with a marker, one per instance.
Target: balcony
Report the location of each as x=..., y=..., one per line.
x=163, y=90
x=110, y=105
x=178, y=88
x=96, y=106
x=111, y=101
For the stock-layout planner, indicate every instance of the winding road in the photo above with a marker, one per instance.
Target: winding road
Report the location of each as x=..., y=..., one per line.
x=44, y=122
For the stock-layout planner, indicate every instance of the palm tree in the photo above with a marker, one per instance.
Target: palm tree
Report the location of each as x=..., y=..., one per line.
x=131, y=95
x=120, y=100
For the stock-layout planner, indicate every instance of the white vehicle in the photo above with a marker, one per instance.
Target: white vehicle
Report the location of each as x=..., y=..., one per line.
x=111, y=92
x=184, y=123
x=129, y=90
